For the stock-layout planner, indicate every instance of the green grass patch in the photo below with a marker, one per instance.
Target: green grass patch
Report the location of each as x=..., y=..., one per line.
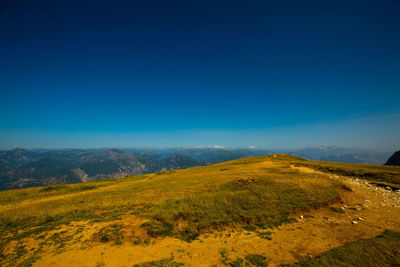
x=263, y=201
x=265, y=235
x=380, y=251
x=249, y=260
x=257, y=260
x=111, y=233
x=166, y=262
x=250, y=228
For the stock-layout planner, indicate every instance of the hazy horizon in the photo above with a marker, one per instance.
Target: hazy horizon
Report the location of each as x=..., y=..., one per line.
x=382, y=136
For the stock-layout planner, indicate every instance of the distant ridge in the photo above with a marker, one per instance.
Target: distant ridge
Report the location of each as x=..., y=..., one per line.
x=394, y=160
x=20, y=168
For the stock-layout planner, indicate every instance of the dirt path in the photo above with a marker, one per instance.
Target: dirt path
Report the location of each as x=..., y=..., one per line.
x=314, y=232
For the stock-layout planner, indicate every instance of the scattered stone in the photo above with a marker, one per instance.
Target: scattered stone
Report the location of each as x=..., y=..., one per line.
x=360, y=219
x=354, y=222
x=301, y=217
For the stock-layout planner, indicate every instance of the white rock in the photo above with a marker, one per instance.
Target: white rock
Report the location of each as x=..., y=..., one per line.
x=354, y=222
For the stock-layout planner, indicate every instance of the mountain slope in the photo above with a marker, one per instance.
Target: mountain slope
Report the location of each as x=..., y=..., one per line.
x=394, y=160
x=23, y=168
x=276, y=209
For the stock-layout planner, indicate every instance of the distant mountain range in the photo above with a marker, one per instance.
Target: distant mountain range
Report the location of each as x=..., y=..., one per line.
x=340, y=154
x=25, y=168
x=21, y=168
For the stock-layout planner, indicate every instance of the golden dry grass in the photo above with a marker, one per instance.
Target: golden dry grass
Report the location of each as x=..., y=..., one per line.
x=258, y=192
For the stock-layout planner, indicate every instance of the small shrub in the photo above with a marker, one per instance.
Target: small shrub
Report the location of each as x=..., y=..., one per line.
x=146, y=242
x=262, y=225
x=266, y=235
x=104, y=238
x=250, y=228
x=237, y=263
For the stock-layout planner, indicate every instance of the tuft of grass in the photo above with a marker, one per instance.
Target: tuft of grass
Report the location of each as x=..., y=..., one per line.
x=250, y=228
x=237, y=263
x=164, y=172
x=29, y=261
x=338, y=210
x=113, y=232
x=249, y=260
x=257, y=260
x=63, y=188
x=382, y=250
x=104, y=238
x=265, y=235
x=189, y=234
x=160, y=228
x=51, y=188
x=166, y=262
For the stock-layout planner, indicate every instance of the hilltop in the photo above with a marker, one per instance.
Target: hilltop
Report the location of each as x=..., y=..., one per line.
x=276, y=209
x=22, y=168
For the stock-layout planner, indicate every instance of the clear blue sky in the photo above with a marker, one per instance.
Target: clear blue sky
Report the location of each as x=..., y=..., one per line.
x=181, y=73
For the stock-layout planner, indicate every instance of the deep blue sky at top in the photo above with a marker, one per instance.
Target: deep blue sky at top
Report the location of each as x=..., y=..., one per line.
x=122, y=67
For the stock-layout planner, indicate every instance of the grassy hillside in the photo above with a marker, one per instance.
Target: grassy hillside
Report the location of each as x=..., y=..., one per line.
x=255, y=193
x=249, y=190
